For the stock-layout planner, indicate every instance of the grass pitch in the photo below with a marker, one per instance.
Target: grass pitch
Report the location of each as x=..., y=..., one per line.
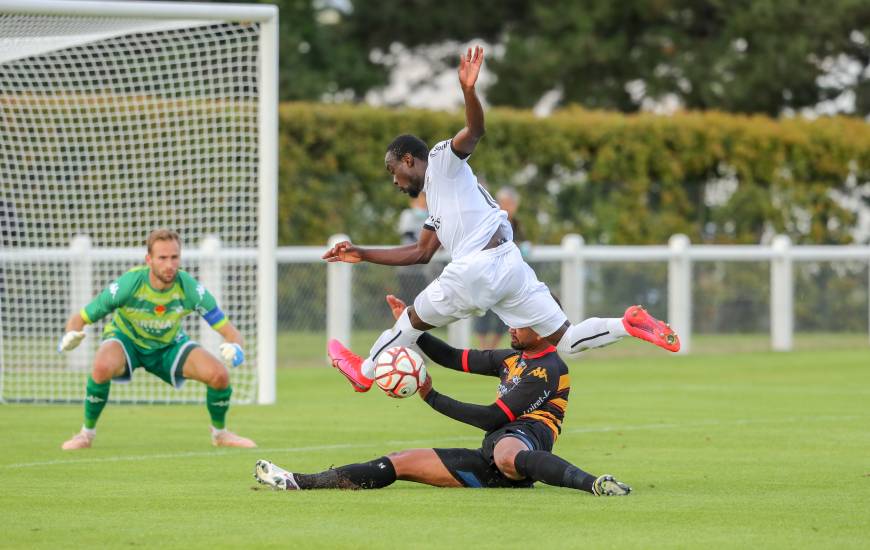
x=723, y=451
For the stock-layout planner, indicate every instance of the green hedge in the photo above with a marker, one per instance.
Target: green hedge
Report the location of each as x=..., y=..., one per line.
x=614, y=178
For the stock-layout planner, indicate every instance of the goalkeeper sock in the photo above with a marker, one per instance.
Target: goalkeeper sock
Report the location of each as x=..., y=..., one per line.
x=368, y=475
x=594, y=332
x=552, y=470
x=218, y=402
x=96, y=396
x=402, y=334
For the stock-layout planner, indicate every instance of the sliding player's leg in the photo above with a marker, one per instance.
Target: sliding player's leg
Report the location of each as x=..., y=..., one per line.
x=523, y=451
x=109, y=362
x=200, y=365
x=419, y=465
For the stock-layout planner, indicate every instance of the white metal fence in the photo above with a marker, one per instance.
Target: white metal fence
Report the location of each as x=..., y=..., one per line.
x=339, y=298
x=679, y=255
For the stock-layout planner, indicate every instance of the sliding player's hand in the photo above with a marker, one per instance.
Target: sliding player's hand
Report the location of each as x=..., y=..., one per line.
x=425, y=388
x=397, y=306
x=70, y=340
x=343, y=251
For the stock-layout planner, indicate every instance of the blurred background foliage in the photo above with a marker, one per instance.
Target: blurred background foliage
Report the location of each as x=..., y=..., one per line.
x=744, y=56
x=614, y=178
x=732, y=165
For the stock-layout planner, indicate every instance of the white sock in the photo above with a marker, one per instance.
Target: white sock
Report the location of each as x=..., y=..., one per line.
x=594, y=332
x=90, y=432
x=216, y=431
x=402, y=334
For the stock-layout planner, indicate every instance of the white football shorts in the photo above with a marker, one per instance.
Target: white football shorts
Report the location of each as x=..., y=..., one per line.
x=497, y=279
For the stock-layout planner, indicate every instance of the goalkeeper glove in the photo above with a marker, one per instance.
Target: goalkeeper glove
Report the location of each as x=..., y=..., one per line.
x=70, y=340
x=232, y=354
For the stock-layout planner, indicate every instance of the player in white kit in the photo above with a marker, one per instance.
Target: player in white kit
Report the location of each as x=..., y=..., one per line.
x=486, y=270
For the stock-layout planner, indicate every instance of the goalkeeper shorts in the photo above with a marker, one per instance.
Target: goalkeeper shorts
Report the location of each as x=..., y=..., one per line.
x=165, y=363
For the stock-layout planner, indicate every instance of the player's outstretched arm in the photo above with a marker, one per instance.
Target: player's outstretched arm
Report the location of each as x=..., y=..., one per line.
x=485, y=417
x=469, y=69
x=415, y=253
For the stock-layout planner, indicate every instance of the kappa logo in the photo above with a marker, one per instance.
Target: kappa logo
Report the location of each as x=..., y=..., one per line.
x=179, y=310
x=224, y=403
x=113, y=289
x=540, y=373
x=94, y=399
x=200, y=290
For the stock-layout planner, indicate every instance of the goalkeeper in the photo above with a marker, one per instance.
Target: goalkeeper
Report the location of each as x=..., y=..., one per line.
x=149, y=303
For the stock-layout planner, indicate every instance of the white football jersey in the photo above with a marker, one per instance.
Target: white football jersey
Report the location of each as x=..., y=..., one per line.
x=461, y=212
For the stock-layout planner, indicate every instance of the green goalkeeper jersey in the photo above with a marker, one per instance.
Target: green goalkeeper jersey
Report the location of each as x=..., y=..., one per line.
x=152, y=318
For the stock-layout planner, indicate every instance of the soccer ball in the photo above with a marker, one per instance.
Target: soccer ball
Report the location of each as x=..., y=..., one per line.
x=400, y=371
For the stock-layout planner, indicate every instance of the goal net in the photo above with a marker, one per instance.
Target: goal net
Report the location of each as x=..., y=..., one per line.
x=115, y=119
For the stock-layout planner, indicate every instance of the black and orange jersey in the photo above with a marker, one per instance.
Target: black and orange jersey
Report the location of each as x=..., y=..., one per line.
x=532, y=387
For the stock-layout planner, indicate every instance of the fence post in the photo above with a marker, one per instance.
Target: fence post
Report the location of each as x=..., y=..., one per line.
x=459, y=333
x=680, y=290
x=781, y=295
x=339, y=304
x=573, y=278
x=211, y=277
x=81, y=292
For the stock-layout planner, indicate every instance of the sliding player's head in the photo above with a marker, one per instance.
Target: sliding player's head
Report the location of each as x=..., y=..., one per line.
x=525, y=338
x=406, y=160
x=164, y=254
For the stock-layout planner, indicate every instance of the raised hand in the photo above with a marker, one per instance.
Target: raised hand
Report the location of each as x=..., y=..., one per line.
x=343, y=251
x=397, y=306
x=469, y=67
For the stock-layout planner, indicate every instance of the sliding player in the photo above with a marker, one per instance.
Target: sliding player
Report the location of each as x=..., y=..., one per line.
x=521, y=427
x=149, y=303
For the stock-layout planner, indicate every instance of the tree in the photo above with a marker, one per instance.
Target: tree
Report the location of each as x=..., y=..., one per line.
x=746, y=56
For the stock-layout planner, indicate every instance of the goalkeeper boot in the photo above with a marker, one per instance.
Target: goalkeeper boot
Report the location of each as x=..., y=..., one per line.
x=607, y=486
x=275, y=477
x=349, y=364
x=226, y=438
x=640, y=324
x=81, y=440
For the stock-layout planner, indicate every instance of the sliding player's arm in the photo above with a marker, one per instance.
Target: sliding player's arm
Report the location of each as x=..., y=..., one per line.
x=415, y=253
x=468, y=360
x=526, y=396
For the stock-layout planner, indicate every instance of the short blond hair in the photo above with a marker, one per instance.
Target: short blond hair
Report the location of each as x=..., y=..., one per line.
x=162, y=234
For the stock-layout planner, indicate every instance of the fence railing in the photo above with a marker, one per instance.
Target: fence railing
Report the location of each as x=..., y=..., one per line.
x=679, y=254
x=573, y=255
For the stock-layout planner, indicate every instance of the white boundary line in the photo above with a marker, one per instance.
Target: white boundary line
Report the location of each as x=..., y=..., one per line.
x=427, y=442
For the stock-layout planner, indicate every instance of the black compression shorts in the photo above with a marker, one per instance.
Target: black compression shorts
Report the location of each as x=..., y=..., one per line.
x=476, y=467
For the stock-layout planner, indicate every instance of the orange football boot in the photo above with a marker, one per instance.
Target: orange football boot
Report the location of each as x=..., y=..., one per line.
x=640, y=324
x=349, y=364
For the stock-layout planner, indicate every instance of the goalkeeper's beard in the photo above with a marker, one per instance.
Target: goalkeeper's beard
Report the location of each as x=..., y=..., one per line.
x=167, y=279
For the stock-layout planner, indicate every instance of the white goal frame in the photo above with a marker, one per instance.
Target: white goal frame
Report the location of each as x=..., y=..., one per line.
x=267, y=17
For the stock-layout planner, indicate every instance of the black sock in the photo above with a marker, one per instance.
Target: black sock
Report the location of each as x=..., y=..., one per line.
x=552, y=470
x=368, y=475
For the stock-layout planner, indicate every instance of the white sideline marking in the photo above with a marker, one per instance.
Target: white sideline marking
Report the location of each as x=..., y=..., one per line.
x=428, y=442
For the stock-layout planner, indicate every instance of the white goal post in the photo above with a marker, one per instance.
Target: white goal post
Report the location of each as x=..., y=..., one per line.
x=117, y=118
